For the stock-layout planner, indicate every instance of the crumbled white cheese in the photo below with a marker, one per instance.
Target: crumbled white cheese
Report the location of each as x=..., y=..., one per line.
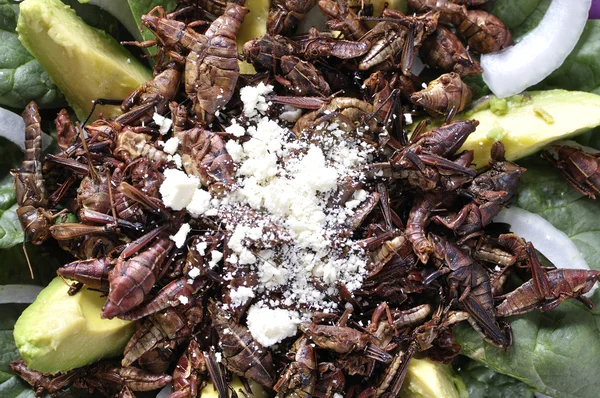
x=216, y=256
x=171, y=145
x=236, y=245
x=408, y=118
x=235, y=129
x=240, y=295
x=219, y=358
x=291, y=184
x=357, y=198
x=271, y=326
x=163, y=123
x=290, y=114
x=235, y=151
x=201, y=248
x=271, y=276
x=254, y=99
x=194, y=272
x=176, y=159
x=177, y=189
x=181, y=235
x=183, y=300
x=200, y=203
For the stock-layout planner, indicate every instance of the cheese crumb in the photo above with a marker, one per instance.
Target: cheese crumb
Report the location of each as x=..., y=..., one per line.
x=200, y=203
x=171, y=145
x=201, y=247
x=290, y=114
x=235, y=129
x=271, y=326
x=181, y=235
x=194, y=272
x=163, y=123
x=216, y=256
x=177, y=189
x=254, y=99
x=241, y=295
x=183, y=300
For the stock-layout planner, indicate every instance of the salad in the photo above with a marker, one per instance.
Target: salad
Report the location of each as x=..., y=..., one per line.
x=553, y=352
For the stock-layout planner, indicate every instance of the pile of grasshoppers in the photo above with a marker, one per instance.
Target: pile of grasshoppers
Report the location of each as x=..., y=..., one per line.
x=435, y=259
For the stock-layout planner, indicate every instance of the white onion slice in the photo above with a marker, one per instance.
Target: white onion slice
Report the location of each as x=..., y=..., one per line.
x=540, y=52
x=19, y=294
x=12, y=127
x=550, y=241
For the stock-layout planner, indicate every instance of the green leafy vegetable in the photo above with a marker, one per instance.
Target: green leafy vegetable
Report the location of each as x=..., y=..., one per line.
x=557, y=352
x=515, y=13
x=483, y=382
x=520, y=16
x=581, y=69
x=22, y=78
x=10, y=228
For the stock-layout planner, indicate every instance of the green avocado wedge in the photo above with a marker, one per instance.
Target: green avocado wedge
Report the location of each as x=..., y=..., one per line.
x=85, y=63
x=58, y=332
x=527, y=123
x=426, y=378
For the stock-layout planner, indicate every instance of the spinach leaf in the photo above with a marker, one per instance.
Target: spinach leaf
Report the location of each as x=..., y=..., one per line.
x=141, y=7
x=44, y=262
x=22, y=78
x=11, y=233
x=10, y=228
x=557, y=352
x=581, y=69
x=483, y=382
x=515, y=13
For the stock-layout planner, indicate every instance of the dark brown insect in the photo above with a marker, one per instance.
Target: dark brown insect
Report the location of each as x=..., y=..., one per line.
x=342, y=17
x=132, y=278
x=445, y=96
x=93, y=272
x=302, y=78
x=158, y=91
x=484, y=32
x=211, y=66
x=470, y=283
x=242, y=354
x=299, y=379
x=189, y=376
x=316, y=45
x=29, y=184
x=284, y=15
x=547, y=289
x=442, y=50
x=104, y=377
x=66, y=134
x=580, y=169
x=266, y=53
x=491, y=191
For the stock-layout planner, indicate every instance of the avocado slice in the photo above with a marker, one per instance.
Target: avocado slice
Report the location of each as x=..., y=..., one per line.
x=426, y=378
x=85, y=63
x=526, y=123
x=254, y=26
x=58, y=332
